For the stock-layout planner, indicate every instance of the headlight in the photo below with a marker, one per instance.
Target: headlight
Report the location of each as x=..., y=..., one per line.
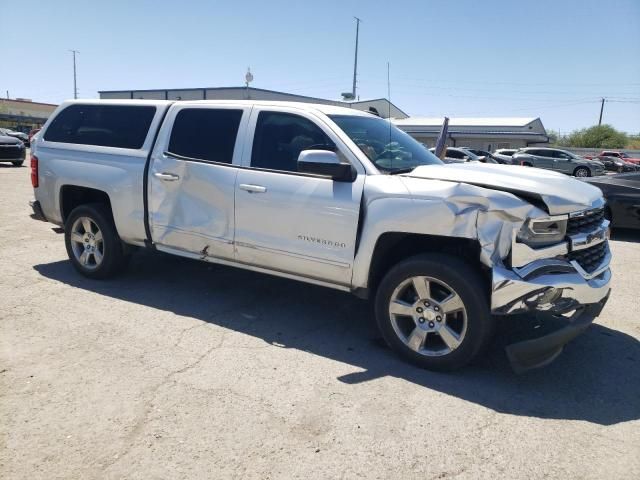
x=540, y=232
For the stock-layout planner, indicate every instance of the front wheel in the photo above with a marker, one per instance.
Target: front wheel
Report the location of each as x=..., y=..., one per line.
x=433, y=310
x=582, y=172
x=92, y=242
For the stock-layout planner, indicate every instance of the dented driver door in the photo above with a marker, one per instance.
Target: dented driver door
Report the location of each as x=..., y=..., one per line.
x=192, y=177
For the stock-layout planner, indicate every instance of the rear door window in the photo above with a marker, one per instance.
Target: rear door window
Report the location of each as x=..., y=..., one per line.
x=122, y=126
x=205, y=134
x=562, y=155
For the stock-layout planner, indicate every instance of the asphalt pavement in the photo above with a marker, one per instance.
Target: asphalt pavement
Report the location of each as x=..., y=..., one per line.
x=182, y=369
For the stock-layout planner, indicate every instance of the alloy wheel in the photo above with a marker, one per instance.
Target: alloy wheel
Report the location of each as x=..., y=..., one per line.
x=428, y=316
x=87, y=243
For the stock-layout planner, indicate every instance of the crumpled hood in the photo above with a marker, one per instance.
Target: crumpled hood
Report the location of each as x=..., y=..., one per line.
x=560, y=193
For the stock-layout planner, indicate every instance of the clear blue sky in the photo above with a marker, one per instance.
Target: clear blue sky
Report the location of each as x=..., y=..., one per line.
x=547, y=58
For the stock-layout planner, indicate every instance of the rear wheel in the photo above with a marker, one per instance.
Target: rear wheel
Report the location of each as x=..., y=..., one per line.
x=527, y=164
x=92, y=242
x=433, y=311
x=18, y=163
x=582, y=172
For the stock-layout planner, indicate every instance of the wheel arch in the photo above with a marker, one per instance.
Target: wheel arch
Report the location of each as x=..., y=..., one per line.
x=393, y=247
x=72, y=196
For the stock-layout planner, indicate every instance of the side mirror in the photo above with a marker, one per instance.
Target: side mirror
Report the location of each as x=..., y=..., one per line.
x=324, y=162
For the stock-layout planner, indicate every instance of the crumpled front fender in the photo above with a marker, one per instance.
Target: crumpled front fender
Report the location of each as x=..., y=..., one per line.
x=439, y=208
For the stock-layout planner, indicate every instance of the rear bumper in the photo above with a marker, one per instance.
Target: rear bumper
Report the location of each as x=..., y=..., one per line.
x=37, y=214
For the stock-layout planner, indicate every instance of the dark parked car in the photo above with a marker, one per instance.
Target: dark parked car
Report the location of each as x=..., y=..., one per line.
x=23, y=137
x=615, y=164
x=11, y=150
x=622, y=193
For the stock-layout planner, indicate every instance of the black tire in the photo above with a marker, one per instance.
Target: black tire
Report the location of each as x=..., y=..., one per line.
x=113, y=257
x=582, y=172
x=463, y=280
x=17, y=164
x=527, y=164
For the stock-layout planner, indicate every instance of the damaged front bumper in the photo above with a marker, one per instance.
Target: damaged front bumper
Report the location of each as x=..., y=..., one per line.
x=558, y=287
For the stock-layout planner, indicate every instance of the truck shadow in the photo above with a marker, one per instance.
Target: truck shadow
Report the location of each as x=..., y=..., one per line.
x=596, y=379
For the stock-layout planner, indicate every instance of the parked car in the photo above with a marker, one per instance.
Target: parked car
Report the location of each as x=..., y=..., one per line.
x=488, y=156
x=333, y=197
x=505, y=155
x=622, y=193
x=12, y=150
x=460, y=155
x=614, y=153
x=615, y=164
x=559, y=161
x=23, y=137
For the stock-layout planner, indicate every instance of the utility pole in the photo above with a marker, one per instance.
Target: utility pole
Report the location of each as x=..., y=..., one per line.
x=355, y=62
x=75, y=85
x=601, y=109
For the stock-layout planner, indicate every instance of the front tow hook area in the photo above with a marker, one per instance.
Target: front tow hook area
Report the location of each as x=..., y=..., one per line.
x=538, y=352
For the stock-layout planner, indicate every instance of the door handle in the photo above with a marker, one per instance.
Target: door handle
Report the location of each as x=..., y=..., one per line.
x=252, y=188
x=167, y=177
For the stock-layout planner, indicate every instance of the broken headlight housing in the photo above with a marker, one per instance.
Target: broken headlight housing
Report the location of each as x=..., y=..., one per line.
x=542, y=232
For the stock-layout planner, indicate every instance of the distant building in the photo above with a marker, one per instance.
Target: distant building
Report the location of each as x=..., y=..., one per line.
x=482, y=133
x=380, y=106
x=22, y=114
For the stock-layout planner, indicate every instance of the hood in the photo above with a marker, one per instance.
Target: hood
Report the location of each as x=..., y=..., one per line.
x=559, y=193
x=6, y=140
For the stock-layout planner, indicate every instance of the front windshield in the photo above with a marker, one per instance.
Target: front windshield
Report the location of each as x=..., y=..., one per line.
x=388, y=147
x=624, y=155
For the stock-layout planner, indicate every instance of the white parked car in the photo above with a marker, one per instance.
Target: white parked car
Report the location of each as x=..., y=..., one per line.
x=505, y=154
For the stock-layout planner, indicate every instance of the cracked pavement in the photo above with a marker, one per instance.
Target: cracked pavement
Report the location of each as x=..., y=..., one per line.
x=183, y=369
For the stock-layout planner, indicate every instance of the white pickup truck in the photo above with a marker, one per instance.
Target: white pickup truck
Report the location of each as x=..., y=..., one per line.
x=334, y=197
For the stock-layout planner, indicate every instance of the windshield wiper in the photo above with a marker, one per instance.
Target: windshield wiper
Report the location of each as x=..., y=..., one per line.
x=401, y=170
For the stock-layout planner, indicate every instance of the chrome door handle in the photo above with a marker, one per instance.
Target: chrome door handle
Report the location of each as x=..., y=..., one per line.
x=167, y=177
x=252, y=188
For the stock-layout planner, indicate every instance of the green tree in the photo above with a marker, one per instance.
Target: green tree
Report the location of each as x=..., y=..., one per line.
x=603, y=136
x=634, y=142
